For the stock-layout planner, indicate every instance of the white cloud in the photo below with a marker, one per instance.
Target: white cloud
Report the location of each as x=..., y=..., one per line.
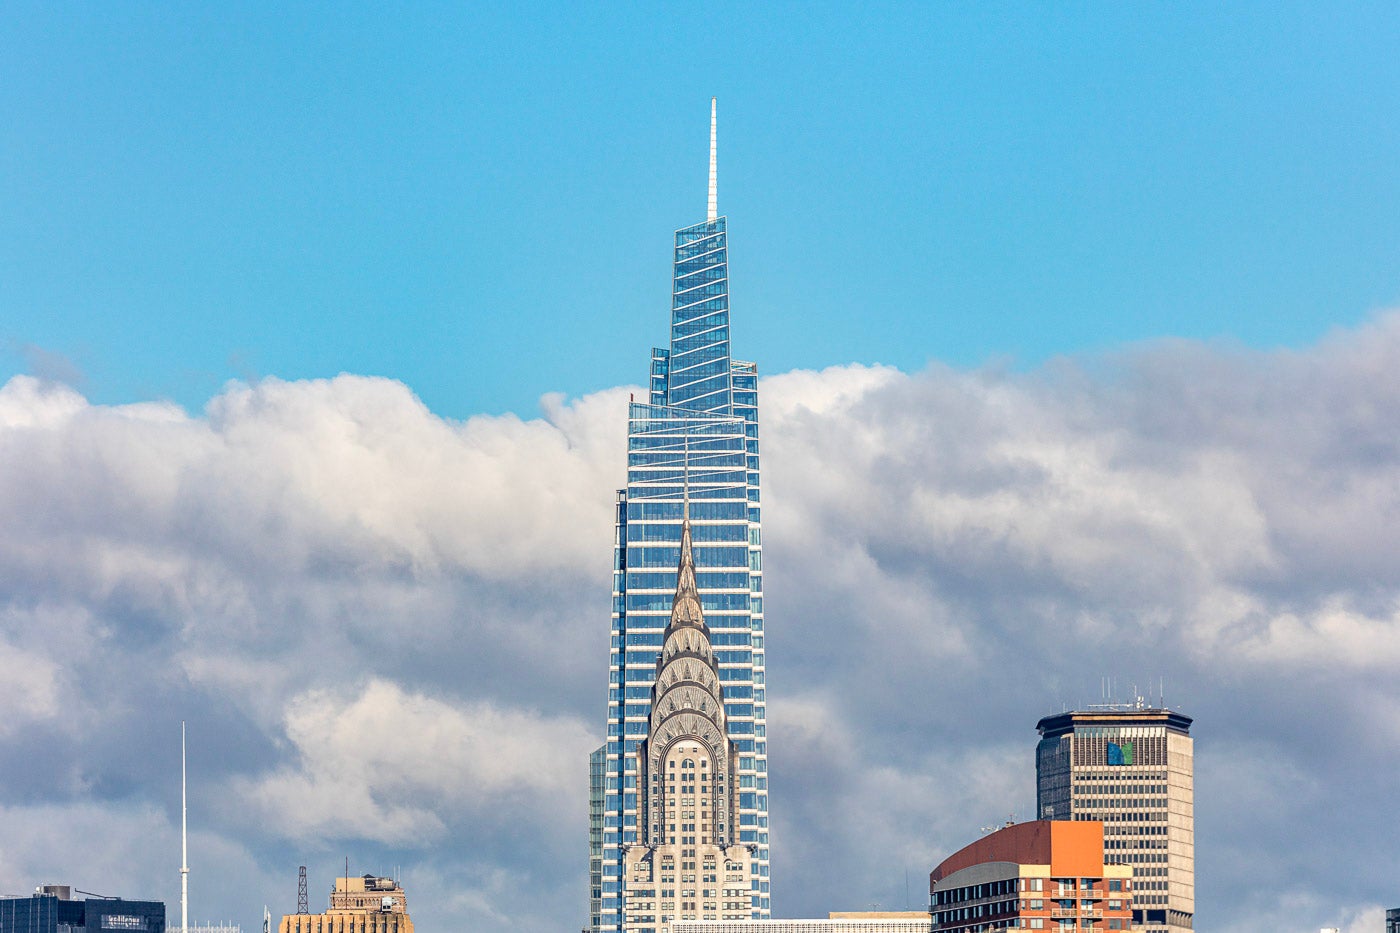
x=389, y=630
x=29, y=689
x=384, y=764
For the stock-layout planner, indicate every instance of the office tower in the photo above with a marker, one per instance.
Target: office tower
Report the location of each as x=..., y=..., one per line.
x=52, y=909
x=688, y=863
x=1041, y=875
x=1128, y=767
x=1392, y=920
x=698, y=428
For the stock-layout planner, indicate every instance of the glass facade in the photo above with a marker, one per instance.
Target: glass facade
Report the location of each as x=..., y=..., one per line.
x=698, y=428
x=49, y=913
x=597, y=795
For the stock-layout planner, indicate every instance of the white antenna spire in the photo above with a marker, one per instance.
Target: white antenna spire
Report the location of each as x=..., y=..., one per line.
x=184, y=842
x=714, y=176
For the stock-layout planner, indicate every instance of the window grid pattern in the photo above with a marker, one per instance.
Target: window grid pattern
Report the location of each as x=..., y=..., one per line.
x=698, y=428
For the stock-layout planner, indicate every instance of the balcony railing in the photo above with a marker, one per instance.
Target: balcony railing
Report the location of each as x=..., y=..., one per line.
x=1088, y=913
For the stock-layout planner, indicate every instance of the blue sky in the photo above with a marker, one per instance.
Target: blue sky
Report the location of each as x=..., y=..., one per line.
x=1015, y=208
x=479, y=202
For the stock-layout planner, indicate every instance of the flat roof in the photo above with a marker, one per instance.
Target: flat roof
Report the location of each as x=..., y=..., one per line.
x=1063, y=723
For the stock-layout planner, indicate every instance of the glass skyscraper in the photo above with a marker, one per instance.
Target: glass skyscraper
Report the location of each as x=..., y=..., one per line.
x=698, y=427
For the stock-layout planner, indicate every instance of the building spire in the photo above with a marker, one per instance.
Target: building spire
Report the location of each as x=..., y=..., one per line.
x=714, y=182
x=685, y=607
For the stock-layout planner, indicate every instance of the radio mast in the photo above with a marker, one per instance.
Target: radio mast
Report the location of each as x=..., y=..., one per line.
x=184, y=842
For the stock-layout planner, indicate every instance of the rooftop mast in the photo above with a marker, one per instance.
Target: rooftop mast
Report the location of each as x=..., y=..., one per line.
x=184, y=842
x=714, y=179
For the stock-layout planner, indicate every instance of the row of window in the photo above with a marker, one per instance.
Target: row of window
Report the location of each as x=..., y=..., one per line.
x=720, y=602
x=1031, y=923
x=727, y=675
x=704, y=579
x=666, y=558
x=731, y=691
x=1007, y=886
x=629, y=746
x=737, y=531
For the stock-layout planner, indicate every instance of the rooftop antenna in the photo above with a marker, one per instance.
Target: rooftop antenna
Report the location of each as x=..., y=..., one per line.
x=267, y=920
x=303, y=902
x=184, y=841
x=714, y=175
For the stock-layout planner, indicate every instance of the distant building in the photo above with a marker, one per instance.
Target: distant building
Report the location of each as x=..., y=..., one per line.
x=597, y=795
x=1392, y=920
x=358, y=905
x=1045, y=875
x=1131, y=769
x=207, y=928
x=875, y=921
x=51, y=909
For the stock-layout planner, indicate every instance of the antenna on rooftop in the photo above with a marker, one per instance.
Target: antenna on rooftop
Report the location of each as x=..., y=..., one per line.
x=303, y=903
x=184, y=841
x=714, y=175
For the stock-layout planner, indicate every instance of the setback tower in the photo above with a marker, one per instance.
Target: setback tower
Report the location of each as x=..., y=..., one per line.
x=697, y=430
x=1129, y=767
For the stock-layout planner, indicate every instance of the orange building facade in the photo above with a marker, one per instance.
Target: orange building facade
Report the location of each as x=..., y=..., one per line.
x=1043, y=875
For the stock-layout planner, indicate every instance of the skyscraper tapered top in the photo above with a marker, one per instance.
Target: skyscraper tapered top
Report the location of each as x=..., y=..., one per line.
x=682, y=777
x=714, y=175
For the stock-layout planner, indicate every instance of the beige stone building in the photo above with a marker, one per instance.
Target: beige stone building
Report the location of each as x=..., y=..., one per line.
x=689, y=864
x=1131, y=768
x=358, y=905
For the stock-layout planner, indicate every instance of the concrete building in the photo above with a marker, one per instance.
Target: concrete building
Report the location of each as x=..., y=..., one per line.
x=1045, y=875
x=52, y=909
x=697, y=424
x=853, y=922
x=365, y=904
x=690, y=863
x=1129, y=768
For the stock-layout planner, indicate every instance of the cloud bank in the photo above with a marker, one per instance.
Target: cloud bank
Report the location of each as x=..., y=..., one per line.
x=388, y=631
